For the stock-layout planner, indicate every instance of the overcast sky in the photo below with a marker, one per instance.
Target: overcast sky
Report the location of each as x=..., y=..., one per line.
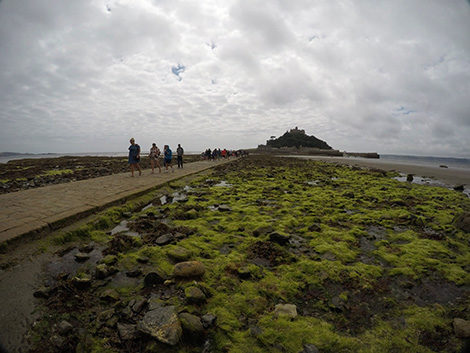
x=387, y=76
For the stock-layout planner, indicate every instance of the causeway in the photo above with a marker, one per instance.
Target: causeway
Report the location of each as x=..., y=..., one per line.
x=48, y=208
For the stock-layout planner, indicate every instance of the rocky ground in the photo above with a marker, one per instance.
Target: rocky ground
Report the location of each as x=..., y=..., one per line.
x=265, y=255
x=24, y=174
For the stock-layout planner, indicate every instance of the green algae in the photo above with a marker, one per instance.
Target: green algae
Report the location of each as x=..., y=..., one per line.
x=355, y=235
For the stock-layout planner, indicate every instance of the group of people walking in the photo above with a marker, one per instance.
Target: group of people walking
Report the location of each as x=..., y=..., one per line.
x=154, y=156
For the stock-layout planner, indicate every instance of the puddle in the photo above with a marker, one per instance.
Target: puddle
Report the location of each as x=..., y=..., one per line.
x=313, y=182
x=67, y=263
x=179, y=197
x=431, y=182
x=123, y=228
x=224, y=184
x=147, y=207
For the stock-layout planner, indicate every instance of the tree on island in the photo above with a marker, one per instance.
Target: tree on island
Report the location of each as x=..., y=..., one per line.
x=297, y=138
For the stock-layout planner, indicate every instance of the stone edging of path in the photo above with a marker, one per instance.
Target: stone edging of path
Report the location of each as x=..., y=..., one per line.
x=39, y=222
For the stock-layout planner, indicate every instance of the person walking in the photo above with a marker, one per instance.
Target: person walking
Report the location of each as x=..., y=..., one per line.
x=179, y=153
x=134, y=157
x=154, y=157
x=167, y=157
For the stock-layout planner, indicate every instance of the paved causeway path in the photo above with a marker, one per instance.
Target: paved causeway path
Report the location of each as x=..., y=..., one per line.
x=44, y=208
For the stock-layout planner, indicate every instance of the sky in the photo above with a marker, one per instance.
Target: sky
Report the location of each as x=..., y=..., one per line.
x=386, y=76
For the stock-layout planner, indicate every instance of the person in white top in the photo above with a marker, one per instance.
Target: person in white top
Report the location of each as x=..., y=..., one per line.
x=154, y=155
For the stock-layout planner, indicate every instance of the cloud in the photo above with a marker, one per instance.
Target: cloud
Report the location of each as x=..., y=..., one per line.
x=368, y=76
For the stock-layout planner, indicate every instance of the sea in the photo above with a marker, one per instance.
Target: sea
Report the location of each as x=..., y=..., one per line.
x=10, y=156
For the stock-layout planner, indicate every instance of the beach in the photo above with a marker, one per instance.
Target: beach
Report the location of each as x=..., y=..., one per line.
x=258, y=254
x=451, y=175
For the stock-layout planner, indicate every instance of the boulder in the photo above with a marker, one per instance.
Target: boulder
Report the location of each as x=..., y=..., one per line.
x=164, y=239
x=153, y=278
x=194, y=295
x=189, y=269
x=289, y=310
x=64, y=327
x=208, y=320
x=463, y=222
x=461, y=328
x=191, y=324
x=162, y=324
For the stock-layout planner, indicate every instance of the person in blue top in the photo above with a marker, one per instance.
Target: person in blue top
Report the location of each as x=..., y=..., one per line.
x=167, y=157
x=134, y=157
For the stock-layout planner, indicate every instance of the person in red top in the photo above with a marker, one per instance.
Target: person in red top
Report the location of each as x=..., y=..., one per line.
x=224, y=153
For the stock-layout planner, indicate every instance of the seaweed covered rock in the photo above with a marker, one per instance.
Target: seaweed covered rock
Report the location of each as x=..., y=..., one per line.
x=189, y=269
x=178, y=253
x=191, y=324
x=194, y=295
x=163, y=324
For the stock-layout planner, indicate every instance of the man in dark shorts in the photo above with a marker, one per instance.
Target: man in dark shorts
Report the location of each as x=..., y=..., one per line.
x=180, y=152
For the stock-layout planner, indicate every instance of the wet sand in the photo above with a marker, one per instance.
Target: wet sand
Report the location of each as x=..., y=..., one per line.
x=451, y=176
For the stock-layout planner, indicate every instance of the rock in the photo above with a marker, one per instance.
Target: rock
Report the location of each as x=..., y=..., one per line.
x=310, y=348
x=143, y=259
x=194, y=295
x=42, y=292
x=109, y=260
x=189, y=269
x=81, y=257
x=191, y=324
x=102, y=271
x=279, y=238
x=463, y=222
x=110, y=295
x=57, y=341
x=244, y=272
x=208, y=320
x=164, y=239
x=139, y=305
x=191, y=214
x=262, y=231
x=178, y=253
x=256, y=331
x=87, y=248
x=461, y=328
x=289, y=310
x=152, y=279
x=105, y=315
x=409, y=178
x=162, y=324
x=443, y=166
x=126, y=331
x=134, y=273
x=314, y=228
x=459, y=187
x=81, y=282
x=64, y=327
x=224, y=208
